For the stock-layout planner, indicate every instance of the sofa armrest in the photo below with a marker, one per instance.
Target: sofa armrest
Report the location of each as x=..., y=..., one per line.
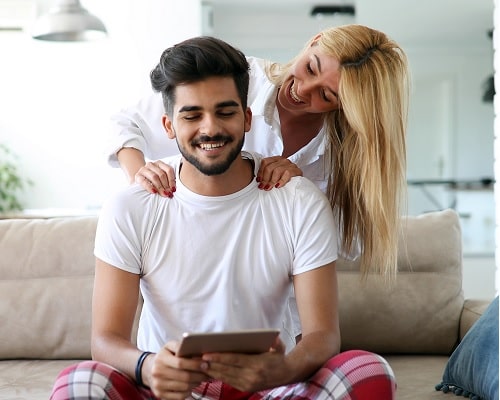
x=472, y=310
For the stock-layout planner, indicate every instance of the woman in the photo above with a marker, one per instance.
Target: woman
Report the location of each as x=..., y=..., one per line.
x=336, y=114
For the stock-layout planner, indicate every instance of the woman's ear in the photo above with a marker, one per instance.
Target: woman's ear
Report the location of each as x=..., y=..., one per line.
x=315, y=39
x=167, y=124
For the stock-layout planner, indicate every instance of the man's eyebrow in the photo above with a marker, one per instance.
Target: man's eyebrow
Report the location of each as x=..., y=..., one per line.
x=222, y=104
x=227, y=103
x=189, y=108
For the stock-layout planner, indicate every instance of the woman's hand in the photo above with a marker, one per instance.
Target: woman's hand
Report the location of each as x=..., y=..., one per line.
x=174, y=377
x=157, y=177
x=276, y=172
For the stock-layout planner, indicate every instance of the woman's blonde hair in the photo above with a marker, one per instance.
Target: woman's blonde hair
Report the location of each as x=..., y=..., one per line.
x=366, y=150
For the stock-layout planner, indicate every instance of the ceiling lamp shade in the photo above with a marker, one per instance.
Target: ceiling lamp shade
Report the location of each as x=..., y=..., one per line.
x=68, y=21
x=324, y=10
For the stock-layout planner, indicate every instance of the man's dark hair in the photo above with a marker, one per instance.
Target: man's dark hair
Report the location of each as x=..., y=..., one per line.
x=196, y=59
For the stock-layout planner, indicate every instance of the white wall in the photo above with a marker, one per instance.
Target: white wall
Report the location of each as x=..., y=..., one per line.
x=57, y=98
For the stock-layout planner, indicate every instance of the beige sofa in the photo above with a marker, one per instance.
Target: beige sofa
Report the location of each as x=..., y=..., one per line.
x=46, y=278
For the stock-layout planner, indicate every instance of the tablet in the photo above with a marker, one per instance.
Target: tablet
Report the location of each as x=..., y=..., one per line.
x=246, y=341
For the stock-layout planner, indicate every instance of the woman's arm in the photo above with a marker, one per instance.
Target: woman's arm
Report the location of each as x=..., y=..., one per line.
x=131, y=161
x=140, y=127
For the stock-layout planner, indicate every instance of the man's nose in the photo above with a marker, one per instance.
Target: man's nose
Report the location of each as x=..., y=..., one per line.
x=210, y=125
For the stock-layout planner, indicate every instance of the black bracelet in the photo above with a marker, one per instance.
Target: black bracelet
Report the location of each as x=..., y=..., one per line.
x=138, y=369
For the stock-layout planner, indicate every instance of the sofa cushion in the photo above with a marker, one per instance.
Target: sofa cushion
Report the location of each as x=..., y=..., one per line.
x=420, y=311
x=473, y=367
x=29, y=379
x=46, y=279
x=414, y=373
x=471, y=312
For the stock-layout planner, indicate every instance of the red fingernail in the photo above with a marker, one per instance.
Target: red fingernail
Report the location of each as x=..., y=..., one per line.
x=154, y=190
x=277, y=185
x=173, y=189
x=258, y=179
x=261, y=186
x=267, y=187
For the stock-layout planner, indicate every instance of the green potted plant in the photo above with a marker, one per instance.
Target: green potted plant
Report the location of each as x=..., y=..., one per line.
x=11, y=182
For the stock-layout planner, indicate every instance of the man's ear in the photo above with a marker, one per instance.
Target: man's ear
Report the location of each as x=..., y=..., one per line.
x=248, y=119
x=167, y=124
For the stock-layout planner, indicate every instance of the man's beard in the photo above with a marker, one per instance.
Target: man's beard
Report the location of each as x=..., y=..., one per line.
x=213, y=168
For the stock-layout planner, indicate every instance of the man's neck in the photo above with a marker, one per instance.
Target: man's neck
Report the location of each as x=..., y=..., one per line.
x=238, y=176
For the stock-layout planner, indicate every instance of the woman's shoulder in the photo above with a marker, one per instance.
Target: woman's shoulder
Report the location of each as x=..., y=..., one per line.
x=260, y=84
x=258, y=69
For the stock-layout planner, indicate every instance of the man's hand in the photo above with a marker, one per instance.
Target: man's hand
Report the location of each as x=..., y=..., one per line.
x=249, y=373
x=157, y=177
x=276, y=172
x=174, y=377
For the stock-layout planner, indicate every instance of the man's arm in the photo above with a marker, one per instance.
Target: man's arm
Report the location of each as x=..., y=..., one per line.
x=114, y=303
x=317, y=302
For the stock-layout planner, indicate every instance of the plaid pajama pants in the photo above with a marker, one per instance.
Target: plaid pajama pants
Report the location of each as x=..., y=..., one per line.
x=351, y=375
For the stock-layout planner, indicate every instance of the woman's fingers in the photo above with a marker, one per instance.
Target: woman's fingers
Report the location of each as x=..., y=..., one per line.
x=276, y=171
x=157, y=177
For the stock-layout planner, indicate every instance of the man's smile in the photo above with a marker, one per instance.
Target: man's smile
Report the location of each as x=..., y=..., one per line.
x=211, y=146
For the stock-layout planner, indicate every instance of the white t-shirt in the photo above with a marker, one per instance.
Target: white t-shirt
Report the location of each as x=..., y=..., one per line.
x=215, y=263
x=140, y=127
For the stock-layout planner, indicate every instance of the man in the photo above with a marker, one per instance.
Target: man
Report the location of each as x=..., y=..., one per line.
x=219, y=256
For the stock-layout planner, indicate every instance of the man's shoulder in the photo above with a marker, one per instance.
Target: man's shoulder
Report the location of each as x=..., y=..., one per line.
x=130, y=200
x=297, y=183
x=305, y=183
x=302, y=184
x=302, y=193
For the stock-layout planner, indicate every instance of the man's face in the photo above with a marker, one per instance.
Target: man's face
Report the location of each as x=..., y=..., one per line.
x=208, y=123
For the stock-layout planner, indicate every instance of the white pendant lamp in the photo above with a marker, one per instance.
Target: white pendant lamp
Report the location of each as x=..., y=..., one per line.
x=68, y=21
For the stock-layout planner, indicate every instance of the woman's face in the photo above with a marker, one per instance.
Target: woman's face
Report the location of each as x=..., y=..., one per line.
x=313, y=83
